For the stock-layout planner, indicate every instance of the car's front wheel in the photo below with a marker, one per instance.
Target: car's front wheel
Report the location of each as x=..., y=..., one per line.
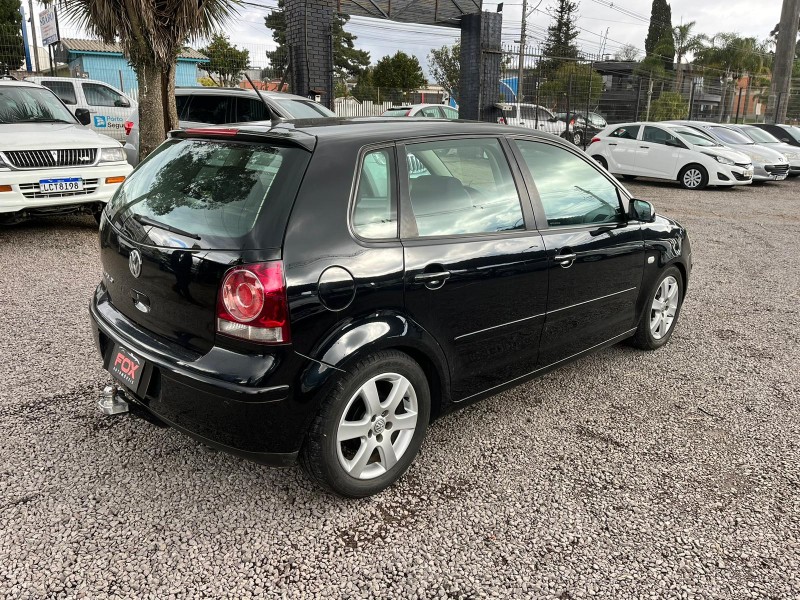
x=660, y=314
x=693, y=177
x=370, y=426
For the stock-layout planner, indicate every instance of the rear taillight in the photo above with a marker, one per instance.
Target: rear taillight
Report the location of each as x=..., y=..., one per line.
x=501, y=120
x=212, y=131
x=594, y=139
x=128, y=127
x=572, y=122
x=252, y=304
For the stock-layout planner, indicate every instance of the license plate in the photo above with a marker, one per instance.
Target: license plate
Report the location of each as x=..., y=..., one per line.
x=126, y=367
x=780, y=177
x=66, y=184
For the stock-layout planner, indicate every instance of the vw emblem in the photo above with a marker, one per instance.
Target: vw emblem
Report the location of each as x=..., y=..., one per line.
x=135, y=263
x=380, y=425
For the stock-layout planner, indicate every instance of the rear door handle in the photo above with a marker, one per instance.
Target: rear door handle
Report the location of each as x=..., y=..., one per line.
x=432, y=281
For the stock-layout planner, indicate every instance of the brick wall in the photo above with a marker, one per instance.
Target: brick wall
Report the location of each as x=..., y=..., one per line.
x=308, y=33
x=481, y=55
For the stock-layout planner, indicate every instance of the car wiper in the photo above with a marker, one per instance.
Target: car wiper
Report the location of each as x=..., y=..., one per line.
x=153, y=223
x=43, y=121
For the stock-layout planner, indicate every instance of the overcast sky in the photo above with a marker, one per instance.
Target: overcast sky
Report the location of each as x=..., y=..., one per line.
x=380, y=38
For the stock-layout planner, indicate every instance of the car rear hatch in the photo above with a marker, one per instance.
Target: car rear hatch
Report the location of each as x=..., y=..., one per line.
x=204, y=201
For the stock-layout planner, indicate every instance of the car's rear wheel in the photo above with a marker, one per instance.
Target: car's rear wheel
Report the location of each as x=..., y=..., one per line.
x=601, y=161
x=693, y=177
x=370, y=426
x=661, y=312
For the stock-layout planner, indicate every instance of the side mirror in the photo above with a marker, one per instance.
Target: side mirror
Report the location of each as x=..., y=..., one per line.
x=642, y=210
x=82, y=114
x=122, y=104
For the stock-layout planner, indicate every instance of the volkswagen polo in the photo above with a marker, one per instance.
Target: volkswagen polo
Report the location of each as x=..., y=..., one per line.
x=322, y=290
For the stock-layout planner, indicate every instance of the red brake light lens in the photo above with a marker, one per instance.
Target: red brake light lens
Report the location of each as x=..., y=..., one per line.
x=252, y=304
x=212, y=131
x=594, y=139
x=128, y=126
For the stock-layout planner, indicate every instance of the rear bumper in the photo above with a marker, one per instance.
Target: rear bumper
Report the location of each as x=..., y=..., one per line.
x=206, y=397
x=24, y=194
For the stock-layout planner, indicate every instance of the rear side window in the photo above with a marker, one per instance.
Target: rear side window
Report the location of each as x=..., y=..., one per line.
x=303, y=109
x=462, y=187
x=207, y=188
x=375, y=210
x=572, y=190
x=207, y=108
x=625, y=132
x=63, y=89
x=395, y=112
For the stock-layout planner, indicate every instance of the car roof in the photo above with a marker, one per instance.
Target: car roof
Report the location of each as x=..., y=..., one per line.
x=375, y=129
x=18, y=83
x=215, y=91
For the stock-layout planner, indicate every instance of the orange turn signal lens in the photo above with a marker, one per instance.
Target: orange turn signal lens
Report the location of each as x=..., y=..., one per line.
x=119, y=179
x=5, y=188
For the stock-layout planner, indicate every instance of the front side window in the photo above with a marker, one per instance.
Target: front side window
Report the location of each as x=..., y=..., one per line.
x=625, y=132
x=466, y=188
x=101, y=95
x=251, y=109
x=450, y=113
x=572, y=191
x=375, y=210
x=431, y=112
x=63, y=89
x=303, y=109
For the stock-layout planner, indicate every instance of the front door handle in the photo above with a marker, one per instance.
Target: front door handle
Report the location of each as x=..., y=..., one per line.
x=432, y=281
x=565, y=260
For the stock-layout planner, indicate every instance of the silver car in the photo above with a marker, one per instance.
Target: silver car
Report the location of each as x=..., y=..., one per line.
x=216, y=106
x=763, y=137
x=768, y=164
x=532, y=116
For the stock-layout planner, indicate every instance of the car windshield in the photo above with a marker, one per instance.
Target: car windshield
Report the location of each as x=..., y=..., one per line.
x=396, y=112
x=694, y=137
x=760, y=136
x=729, y=136
x=304, y=109
x=206, y=189
x=792, y=131
x=24, y=104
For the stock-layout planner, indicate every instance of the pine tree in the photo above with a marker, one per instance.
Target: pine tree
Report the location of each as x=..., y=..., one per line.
x=561, y=35
x=659, y=40
x=12, y=49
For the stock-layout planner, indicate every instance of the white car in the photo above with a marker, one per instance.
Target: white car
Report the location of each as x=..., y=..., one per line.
x=768, y=164
x=669, y=151
x=532, y=116
x=431, y=111
x=107, y=106
x=50, y=163
x=762, y=137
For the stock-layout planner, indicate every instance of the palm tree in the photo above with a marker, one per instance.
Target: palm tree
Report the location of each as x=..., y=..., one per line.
x=686, y=43
x=152, y=33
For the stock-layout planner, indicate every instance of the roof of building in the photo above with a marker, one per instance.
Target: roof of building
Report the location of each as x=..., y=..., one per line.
x=78, y=45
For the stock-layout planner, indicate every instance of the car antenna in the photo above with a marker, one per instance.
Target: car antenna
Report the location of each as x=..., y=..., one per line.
x=275, y=119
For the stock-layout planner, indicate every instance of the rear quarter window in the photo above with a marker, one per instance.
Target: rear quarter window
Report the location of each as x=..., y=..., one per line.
x=211, y=189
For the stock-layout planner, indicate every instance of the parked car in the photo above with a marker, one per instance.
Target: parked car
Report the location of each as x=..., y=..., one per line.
x=788, y=134
x=50, y=163
x=768, y=165
x=431, y=111
x=762, y=137
x=669, y=151
x=107, y=106
x=216, y=106
x=260, y=294
x=532, y=116
x=579, y=128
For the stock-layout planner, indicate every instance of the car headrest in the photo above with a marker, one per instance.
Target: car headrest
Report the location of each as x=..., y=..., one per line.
x=437, y=193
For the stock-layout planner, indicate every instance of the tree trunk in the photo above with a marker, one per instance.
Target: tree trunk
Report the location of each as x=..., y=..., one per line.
x=168, y=89
x=151, y=113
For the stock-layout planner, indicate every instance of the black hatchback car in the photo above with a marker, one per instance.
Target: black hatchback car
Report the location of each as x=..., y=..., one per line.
x=323, y=289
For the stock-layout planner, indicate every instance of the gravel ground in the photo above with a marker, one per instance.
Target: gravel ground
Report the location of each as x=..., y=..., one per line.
x=671, y=474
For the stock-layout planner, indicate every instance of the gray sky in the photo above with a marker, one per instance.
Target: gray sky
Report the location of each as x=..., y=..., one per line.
x=383, y=37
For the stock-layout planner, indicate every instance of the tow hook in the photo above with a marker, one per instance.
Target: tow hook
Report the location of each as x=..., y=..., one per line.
x=112, y=401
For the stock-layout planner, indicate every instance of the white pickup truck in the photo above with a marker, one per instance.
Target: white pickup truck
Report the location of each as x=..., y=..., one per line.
x=50, y=162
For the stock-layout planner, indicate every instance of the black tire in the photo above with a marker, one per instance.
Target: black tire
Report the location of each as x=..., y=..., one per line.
x=702, y=182
x=577, y=138
x=644, y=338
x=601, y=161
x=98, y=216
x=319, y=454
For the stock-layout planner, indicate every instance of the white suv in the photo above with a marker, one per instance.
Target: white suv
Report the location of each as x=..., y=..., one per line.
x=669, y=151
x=50, y=163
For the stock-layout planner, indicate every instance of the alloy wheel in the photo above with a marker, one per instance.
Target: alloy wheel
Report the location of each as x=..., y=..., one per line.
x=377, y=426
x=664, y=308
x=692, y=178
x=577, y=139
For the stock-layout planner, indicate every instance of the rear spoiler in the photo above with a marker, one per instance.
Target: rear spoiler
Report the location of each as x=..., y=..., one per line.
x=284, y=133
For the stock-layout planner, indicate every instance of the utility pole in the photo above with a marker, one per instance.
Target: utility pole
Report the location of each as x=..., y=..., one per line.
x=522, y=36
x=34, y=45
x=784, y=58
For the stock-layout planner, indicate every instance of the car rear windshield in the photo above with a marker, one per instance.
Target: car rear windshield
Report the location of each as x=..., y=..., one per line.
x=396, y=112
x=212, y=191
x=304, y=109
